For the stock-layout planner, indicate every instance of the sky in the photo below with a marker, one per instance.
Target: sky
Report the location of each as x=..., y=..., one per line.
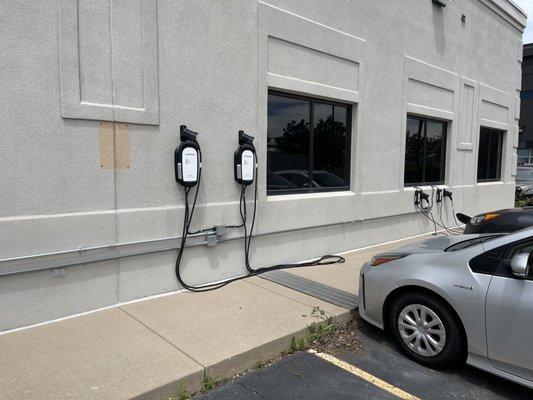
x=527, y=6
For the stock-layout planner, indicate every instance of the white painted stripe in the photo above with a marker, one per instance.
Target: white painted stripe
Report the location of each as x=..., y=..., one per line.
x=155, y=296
x=366, y=376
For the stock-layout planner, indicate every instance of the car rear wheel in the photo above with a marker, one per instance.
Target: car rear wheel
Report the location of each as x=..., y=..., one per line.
x=425, y=330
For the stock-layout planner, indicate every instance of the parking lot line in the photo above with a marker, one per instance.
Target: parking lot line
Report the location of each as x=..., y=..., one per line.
x=365, y=375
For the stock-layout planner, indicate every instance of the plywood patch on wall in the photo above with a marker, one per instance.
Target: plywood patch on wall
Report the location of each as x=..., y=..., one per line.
x=115, y=150
x=106, y=145
x=122, y=146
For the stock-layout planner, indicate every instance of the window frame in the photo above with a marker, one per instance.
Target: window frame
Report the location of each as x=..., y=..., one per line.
x=444, y=147
x=348, y=150
x=501, y=134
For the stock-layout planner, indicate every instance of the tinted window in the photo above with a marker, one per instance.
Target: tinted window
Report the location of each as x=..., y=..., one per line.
x=487, y=263
x=490, y=155
x=308, y=144
x=425, y=151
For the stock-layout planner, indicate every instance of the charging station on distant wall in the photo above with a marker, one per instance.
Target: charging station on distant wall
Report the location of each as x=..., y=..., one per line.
x=188, y=172
x=425, y=202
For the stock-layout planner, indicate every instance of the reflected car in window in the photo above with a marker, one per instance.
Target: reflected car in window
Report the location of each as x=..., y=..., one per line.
x=524, y=182
x=276, y=182
x=320, y=179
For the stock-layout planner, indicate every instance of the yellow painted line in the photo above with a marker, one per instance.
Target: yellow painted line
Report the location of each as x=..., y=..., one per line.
x=366, y=376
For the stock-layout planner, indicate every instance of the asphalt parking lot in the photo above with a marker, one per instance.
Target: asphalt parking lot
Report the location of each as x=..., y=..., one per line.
x=378, y=371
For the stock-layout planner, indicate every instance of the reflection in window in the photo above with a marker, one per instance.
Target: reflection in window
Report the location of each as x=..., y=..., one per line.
x=525, y=156
x=308, y=144
x=425, y=151
x=490, y=155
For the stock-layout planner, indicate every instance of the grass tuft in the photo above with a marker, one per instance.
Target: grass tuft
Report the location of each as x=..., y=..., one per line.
x=323, y=328
x=210, y=382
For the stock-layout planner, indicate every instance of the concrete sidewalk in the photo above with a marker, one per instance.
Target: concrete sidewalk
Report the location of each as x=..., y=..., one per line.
x=148, y=348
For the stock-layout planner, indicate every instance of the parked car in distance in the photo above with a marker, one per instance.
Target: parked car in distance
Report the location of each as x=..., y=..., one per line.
x=524, y=182
x=500, y=221
x=450, y=299
x=321, y=178
x=276, y=182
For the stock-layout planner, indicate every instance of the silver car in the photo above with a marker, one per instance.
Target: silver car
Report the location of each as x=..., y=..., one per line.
x=450, y=299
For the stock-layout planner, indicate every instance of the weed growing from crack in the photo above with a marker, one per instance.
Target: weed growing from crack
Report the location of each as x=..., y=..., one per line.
x=210, y=382
x=323, y=328
x=182, y=394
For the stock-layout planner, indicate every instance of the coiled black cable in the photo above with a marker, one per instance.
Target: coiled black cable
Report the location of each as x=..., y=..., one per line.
x=187, y=219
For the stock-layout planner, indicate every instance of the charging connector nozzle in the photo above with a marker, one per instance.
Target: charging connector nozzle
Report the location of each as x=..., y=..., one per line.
x=187, y=134
x=245, y=139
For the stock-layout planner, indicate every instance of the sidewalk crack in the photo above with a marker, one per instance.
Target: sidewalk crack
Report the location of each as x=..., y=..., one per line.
x=163, y=338
x=251, y=390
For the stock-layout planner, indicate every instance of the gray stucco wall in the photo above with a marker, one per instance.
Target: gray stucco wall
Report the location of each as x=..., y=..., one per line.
x=208, y=64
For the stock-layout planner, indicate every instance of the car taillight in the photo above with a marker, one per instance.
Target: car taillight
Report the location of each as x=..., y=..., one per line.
x=384, y=258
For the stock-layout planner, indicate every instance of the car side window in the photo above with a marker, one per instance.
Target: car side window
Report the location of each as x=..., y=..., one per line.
x=524, y=246
x=487, y=263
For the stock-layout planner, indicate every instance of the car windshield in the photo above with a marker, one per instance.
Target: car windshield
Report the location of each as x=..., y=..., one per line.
x=471, y=242
x=524, y=175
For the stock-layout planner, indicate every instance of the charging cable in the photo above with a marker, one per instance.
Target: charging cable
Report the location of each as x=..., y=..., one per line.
x=187, y=219
x=426, y=212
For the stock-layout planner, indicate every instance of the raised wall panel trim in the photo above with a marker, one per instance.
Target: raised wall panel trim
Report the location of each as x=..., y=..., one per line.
x=508, y=11
x=312, y=65
x=465, y=146
x=467, y=114
x=299, y=86
x=429, y=112
x=313, y=35
x=72, y=104
x=517, y=104
x=493, y=124
x=520, y=52
x=431, y=74
x=493, y=95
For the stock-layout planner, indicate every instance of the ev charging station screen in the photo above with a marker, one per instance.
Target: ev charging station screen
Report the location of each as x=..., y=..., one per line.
x=247, y=160
x=190, y=164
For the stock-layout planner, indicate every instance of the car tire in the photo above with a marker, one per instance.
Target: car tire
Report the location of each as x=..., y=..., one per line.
x=434, y=339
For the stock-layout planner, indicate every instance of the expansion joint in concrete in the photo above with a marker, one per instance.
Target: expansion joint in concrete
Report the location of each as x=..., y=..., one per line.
x=163, y=338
